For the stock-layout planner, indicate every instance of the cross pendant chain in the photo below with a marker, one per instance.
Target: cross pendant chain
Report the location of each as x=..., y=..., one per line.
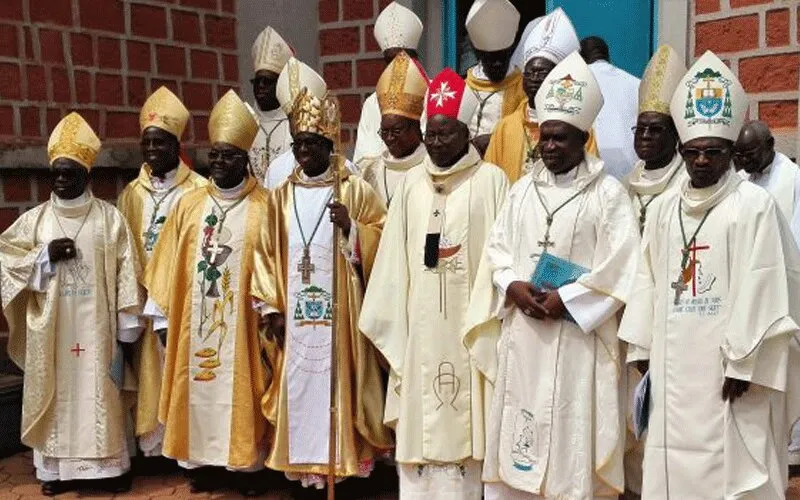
x=306, y=268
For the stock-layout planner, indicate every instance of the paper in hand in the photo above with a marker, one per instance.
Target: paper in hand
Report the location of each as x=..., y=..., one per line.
x=641, y=406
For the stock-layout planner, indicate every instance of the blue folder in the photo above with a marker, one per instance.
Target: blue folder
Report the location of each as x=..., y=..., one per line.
x=554, y=272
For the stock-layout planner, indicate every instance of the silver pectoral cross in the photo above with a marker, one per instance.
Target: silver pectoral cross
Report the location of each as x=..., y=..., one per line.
x=306, y=267
x=679, y=286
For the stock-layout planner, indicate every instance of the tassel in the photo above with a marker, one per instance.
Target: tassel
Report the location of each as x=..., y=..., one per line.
x=432, y=249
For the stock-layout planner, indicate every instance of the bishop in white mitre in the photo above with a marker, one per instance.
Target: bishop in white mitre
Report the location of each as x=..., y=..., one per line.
x=146, y=202
x=401, y=95
x=269, y=53
x=714, y=312
x=416, y=306
x=397, y=29
x=555, y=427
x=69, y=291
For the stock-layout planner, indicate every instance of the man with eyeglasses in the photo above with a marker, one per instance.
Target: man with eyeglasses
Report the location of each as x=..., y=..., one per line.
x=713, y=313
x=513, y=146
x=269, y=53
x=557, y=268
x=146, y=203
x=416, y=304
x=198, y=281
x=401, y=95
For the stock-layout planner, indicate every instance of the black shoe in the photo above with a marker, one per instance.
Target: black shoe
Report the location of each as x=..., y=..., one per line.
x=206, y=479
x=251, y=484
x=53, y=488
x=119, y=484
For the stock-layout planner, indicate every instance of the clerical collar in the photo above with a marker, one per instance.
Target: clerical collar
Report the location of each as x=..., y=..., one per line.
x=402, y=164
x=586, y=172
x=77, y=207
x=653, y=182
x=75, y=202
x=470, y=159
x=696, y=200
x=230, y=193
x=166, y=183
x=477, y=72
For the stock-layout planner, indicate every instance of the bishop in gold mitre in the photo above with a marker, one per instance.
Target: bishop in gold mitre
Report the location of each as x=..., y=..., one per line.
x=146, y=203
x=70, y=294
x=401, y=97
x=198, y=280
x=294, y=290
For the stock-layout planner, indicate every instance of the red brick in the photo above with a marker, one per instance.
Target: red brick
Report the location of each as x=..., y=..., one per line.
x=357, y=9
x=83, y=87
x=137, y=91
x=338, y=75
x=51, y=11
x=186, y=26
x=37, y=83
x=228, y=6
x=776, y=73
x=108, y=53
x=798, y=24
x=60, y=81
x=198, y=96
x=82, y=50
x=104, y=183
x=328, y=11
x=344, y=136
x=92, y=116
x=230, y=66
x=29, y=119
x=778, y=28
x=200, y=128
x=149, y=21
x=204, y=64
x=54, y=115
x=368, y=71
x=9, y=41
x=11, y=9
x=221, y=32
x=122, y=125
x=10, y=82
x=6, y=120
x=170, y=60
x=370, y=43
x=107, y=15
x=745, y=3
x=155, y=83
x=28, y=35
x=7, y=217
x=202, y=4
x=339, y=41
x=16, y=187
x=706, y=6
x=727, y=35
x=51, y=46
x=350, y=105
x=778, y=114
x=108, y=90
x=138, y=56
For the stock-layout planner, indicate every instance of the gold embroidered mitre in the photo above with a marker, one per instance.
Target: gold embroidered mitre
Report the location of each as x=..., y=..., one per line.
x=164, y=110
x=401, y=88
x=660, y=79
x=317, y=116
x=73, y=138
x=231, y=122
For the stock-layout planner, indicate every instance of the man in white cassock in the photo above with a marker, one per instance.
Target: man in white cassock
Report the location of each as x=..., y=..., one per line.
x=397, y=29
x=416, y=306
x=555, y=427
x=296, y=76
x=269, y=53
x=714, y=312
x=69, y=274
x=614, y=122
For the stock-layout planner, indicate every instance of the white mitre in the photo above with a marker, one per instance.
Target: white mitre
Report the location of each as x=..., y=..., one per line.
x=709, y=101
x=492, y=24
x=397, y=27
x=270, y=51
x=295, y=76
x=570, y=94
x=661, y=77
x=553, y=38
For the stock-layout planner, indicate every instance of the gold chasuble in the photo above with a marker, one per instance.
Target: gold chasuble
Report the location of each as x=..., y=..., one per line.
x=508, y=94
x=146, y=209
x=514, y=140
x=65, y=336
x=297, y=399
x=199, y=277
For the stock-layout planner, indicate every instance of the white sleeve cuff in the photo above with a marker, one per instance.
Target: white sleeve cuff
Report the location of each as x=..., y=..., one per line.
x=588, y=308
x=349, y=247
x=504, y=277
x=129, y=327
x=43, y=270
x=154, y=312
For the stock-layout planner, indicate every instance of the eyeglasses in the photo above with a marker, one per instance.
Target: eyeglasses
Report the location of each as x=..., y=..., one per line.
x=536, y=73
x=710, y=153
x=224, y=156
x=388, y=133
x=654, y=129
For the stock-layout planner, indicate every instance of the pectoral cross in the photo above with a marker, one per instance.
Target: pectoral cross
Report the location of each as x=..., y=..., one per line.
x=546, y=242
x=214, y=251
x=77, y=350
x=305, y=267
x=679, y=286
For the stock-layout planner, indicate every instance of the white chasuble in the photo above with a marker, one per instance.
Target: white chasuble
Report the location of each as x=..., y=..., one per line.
x=414, y=314
x=728, y=314
x=555, y=426
x=308, y=324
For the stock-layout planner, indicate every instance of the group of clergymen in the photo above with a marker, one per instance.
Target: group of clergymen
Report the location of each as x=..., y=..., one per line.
x=520, y=324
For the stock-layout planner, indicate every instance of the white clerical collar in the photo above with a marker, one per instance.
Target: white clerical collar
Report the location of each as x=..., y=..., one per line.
x=75, y=202
x=478, y=72
x=166, y=183
x=231, y=193
x=321, y=177
x=410, y=161
x=702, y=199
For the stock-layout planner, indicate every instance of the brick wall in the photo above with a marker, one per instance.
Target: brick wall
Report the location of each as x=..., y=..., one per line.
x=350, y=59
x=760, y=40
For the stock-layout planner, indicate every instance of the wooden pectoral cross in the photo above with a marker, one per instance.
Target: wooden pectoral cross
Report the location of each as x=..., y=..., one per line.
x=214, y=251
x=306, y=268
